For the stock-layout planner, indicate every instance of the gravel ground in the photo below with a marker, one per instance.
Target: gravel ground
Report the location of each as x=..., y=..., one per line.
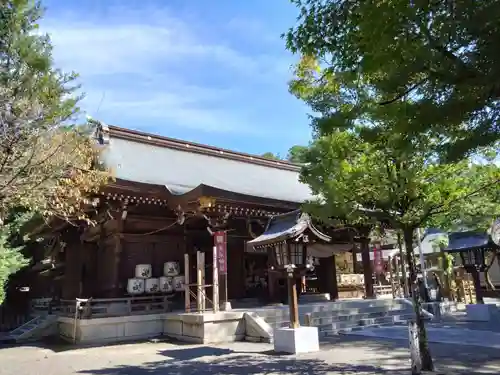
x=340, y=355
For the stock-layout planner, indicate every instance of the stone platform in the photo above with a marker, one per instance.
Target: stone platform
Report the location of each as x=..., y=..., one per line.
x=188, y=327
x=254, y=324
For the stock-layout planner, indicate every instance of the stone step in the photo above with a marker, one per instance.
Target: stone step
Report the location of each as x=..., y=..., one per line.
x=349, y=326
x=283, y=314
x=336, y=306
x=343, y=318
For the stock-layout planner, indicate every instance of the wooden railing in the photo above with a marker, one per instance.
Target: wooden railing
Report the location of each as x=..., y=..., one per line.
x=110, y=307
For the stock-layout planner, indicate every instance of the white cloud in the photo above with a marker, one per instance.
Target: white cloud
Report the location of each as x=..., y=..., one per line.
x=138, y=66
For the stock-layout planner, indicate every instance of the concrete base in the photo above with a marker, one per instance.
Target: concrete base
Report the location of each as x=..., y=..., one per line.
x=226, y=306
x=296, y=340
x=257, y=329
x=481, y=312
x=207, y=328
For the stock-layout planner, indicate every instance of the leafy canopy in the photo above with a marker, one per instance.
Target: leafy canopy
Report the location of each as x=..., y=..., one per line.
x=443, y=55
x=364, y=170
x=380, y=181
x=11, y=257
x=295, y=154
x=46, y=162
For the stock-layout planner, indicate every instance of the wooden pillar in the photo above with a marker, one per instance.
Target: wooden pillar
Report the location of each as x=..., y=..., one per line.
x=327, y=275
x=477, y=285
x=355, y=252
x=272, y=286
x=116, y=289
x=293, y=304
x=367, y=267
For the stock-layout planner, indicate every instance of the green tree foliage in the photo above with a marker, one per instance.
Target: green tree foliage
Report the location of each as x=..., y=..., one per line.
x=478, y=212
x=296, y=154
x=443, y=55
x=46, y=162
x=11, y=244
x=271, y=156
x=362, y=170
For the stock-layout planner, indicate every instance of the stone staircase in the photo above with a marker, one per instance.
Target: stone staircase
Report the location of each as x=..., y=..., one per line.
x=334, y=318
x=39, y=326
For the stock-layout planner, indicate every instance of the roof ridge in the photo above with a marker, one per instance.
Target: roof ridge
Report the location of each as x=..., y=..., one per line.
x=107, y=132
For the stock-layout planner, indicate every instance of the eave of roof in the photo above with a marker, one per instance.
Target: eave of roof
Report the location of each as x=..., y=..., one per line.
x=286, y=227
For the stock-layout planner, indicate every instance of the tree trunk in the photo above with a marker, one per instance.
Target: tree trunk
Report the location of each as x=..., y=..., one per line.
x=425, y=353
x=445, y=283
x=403, y=267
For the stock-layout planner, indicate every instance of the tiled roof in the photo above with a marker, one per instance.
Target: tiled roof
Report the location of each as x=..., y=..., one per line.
x=182, y=166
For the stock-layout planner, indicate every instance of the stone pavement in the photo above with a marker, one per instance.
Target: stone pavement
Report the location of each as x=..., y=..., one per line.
x=438, y=334
x=339, y=355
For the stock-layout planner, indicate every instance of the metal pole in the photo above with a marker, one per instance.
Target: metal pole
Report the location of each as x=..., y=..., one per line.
x=422, y=260
x=199, y=282
x=226, y=299
x=187, y=278
x=215, y=270
x=391, y=277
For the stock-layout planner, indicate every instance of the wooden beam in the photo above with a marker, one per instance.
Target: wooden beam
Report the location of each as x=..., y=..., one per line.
x=91, y=233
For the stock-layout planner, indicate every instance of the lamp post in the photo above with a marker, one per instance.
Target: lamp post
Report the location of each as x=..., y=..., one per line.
x=474, y=262
x=290, y=257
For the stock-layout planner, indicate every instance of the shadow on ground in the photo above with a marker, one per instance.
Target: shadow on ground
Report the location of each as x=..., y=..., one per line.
x=387, y=357
x=243, y=364
x=461, y=359
x=57, y=345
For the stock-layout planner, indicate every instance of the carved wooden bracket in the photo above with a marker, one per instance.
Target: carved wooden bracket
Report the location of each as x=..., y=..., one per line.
x=181, y=215
x=255, y=232
x=215, y=222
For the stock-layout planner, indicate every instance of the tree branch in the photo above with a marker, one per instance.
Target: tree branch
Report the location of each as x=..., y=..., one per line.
x=405, y=93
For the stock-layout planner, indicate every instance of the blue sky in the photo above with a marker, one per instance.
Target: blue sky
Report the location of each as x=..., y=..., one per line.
x=213, y=72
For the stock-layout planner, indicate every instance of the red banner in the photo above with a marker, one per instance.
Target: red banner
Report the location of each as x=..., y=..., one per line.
x=377, y=259
x=220, y=243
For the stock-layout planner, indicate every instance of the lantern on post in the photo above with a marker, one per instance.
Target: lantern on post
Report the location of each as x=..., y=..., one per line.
x=472, y=247
x=474, y=262
x=288, y=238
x=290, y=257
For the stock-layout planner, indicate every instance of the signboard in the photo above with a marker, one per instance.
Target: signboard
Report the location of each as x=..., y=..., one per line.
x=220, y=246
x=377, y=259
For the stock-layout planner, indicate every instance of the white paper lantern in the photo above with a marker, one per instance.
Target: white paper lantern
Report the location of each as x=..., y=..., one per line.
x=171, y=269
x=179, y=283
x=135, y=286
x=143, y=271
x=166, y=284
x=152, y=285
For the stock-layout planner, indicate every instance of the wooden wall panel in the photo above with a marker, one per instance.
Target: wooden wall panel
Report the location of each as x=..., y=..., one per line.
x=72, y=273
x=235, y=266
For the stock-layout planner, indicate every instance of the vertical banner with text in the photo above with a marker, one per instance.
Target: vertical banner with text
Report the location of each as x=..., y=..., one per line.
x=220, y=244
